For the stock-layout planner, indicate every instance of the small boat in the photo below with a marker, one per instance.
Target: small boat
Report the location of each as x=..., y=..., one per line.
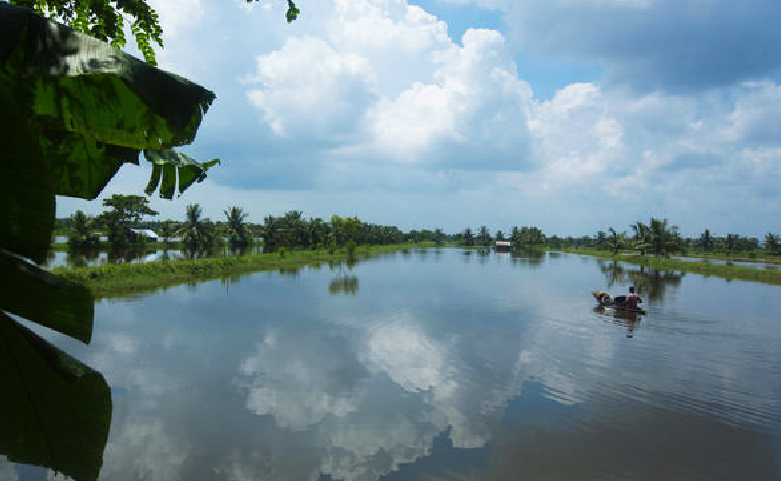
x=606, y=301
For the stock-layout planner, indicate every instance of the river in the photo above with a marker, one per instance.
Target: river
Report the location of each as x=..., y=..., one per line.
x=439, y=364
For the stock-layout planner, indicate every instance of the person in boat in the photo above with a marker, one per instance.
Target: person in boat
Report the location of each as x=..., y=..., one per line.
x=632, y=299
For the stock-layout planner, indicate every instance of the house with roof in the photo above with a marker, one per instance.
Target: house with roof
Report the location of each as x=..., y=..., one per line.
x=136, y=235
x=502, y=246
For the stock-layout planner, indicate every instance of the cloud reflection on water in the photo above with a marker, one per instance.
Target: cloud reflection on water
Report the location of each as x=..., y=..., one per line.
x=279, y=380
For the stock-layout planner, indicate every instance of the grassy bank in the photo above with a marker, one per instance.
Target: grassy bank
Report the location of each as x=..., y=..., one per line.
x=706, y=269
x=127, y=279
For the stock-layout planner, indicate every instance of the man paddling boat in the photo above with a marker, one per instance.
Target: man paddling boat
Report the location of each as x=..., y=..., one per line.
x=632, y=299
x=628, y=302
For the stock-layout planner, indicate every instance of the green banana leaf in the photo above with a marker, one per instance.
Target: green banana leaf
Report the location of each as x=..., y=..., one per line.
x=54, y=411
x=79, y=84
x=26, y=187
x=166, y=164
x=76, y=110
x=49, y=300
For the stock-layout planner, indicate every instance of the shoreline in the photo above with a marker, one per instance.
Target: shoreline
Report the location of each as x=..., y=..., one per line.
x=751, y=274
x=130, y=279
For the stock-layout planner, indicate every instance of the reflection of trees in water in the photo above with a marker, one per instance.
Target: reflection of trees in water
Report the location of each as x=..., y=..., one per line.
x=117, y=256
x=290, y=271
x=528, y=257
x=198, y=253
x=237, y=250
x=81, y=257
x=343, y=285
x=340, y=266
x=554, y=255
x=650, y=283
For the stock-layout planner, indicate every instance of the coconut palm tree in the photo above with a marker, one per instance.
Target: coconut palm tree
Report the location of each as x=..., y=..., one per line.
x=469, y=239
x=641, y=237
x=236, y=229
x=706, y=241
x=166, y=230
x=616, y=241
x=195, y=232
x=484, y=236
x=772, y=244
x=663, y=239
x=730, y=243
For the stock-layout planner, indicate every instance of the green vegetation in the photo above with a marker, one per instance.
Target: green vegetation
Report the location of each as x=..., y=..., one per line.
x=126, y=212
x=106, y=21
x=237, y=231
x=80, y=235
x=707, y=269
x=196, y=233
x=127, y=279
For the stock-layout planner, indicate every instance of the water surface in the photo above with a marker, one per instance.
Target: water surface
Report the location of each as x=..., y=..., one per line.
x=440, y=364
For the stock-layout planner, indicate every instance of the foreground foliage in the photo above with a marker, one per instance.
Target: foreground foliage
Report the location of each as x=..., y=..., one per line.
x=74, y=109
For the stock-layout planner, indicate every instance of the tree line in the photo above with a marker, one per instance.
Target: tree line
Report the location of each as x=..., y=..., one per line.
x=519, y=237
x=126, y=212
x=661, y=239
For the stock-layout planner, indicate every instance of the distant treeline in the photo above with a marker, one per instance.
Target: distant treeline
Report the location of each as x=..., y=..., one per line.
x=129, y=213
x=659, y=238
x=293, y=230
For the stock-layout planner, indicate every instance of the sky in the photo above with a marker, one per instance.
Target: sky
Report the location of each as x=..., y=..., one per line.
x=572, y=115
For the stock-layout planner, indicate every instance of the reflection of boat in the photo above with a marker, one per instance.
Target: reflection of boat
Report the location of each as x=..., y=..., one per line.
x=625, y=318
x=606, y=301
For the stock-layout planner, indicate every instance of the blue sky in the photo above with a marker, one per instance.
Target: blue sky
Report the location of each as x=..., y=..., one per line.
x=573, y=115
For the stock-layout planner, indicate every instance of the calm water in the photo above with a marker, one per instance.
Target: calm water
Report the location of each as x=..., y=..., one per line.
x=440, y=365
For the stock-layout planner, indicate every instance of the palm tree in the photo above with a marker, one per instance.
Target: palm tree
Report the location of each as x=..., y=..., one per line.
x=616, y=241
x=195, y=232
x=485, y=237
x=772, y=244
x=601, y=239
x=236, y=228
x=706, y=241
x=641, y=237
x=730, y=243
x=166, y=230
x=663, y=239
x=468, y=237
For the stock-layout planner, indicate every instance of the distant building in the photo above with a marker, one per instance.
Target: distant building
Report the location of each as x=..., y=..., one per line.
x=502, y=246
x=135, y=235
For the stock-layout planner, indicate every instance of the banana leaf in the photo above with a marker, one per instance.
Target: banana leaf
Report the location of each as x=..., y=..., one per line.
x=79, y=84
x=76, y=109
x=40, y=296
x=54, y=411
x=166, y=163
x=26, y=187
